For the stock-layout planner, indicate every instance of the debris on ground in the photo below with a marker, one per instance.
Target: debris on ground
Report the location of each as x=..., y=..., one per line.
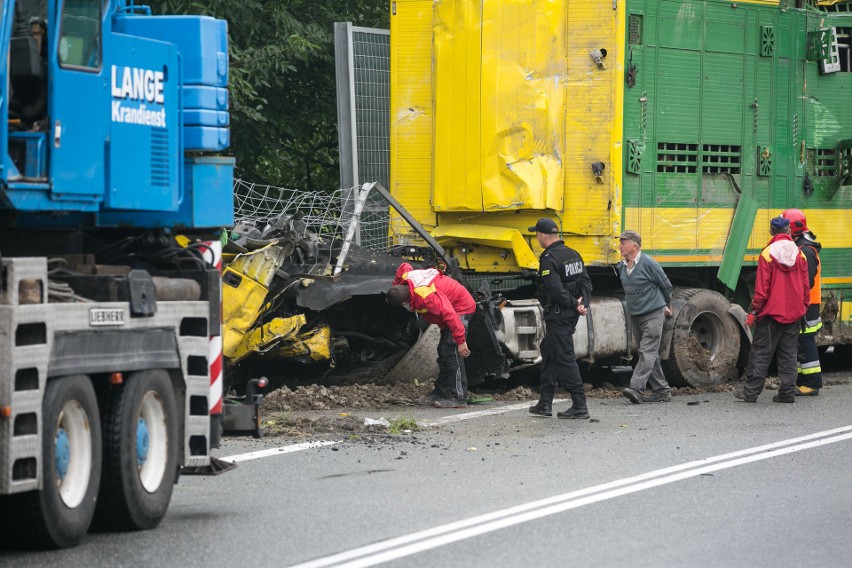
x=281, y=424
x=278, y=405
x=376, y=397
x=315, y=397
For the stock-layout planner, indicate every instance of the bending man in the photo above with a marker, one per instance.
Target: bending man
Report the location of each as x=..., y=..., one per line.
x=440, y=300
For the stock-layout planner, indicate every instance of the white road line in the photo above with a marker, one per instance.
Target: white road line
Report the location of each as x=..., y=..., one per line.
x=420, y=541
x=480, y=413
x=277, y=451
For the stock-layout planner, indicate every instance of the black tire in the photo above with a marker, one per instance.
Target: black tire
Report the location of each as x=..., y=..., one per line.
x=134, y=495
x=705, y=342
x=60, y=514
x=842, y=352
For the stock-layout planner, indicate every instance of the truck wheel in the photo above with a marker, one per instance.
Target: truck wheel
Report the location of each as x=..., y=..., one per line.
x=60, y=514
x=705, y=342
x=140, y=452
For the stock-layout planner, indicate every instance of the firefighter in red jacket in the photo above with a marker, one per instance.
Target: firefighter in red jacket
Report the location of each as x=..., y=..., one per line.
x=443, y=301
x=781, y=297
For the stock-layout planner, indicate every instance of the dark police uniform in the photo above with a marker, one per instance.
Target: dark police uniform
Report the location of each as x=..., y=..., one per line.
x=561, y=279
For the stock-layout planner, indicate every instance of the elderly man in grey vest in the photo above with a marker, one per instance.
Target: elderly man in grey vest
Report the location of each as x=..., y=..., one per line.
x=648, y=295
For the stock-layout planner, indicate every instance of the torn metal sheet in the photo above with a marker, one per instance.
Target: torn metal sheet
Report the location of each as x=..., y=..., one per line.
x=266, y=337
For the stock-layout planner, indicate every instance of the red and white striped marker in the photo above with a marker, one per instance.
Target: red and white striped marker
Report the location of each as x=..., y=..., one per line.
x=213, y=256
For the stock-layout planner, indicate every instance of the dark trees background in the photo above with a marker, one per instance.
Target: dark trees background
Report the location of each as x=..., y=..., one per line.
x=282, y=90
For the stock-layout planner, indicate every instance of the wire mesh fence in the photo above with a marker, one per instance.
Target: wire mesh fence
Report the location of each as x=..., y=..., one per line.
x=329, y=214
x=371, y=76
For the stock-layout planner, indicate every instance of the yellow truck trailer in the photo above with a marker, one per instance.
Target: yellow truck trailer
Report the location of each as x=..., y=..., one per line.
x=691, y=121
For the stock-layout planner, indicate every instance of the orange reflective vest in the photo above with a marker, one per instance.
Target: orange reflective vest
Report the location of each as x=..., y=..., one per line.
x=816, y=294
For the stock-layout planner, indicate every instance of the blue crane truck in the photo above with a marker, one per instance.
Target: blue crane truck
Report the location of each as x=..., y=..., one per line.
x=112, y=195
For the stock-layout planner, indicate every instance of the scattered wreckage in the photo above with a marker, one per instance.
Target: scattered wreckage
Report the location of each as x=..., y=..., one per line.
x=282, y=304
x=304, y=303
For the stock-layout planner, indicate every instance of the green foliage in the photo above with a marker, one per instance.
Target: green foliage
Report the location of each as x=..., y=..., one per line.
x=403, y=423
x=282, y=89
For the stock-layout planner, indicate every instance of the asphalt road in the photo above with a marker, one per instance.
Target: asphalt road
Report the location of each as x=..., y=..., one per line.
x=718, y=483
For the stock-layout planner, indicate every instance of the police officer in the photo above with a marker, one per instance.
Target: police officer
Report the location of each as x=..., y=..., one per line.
x=564, y=290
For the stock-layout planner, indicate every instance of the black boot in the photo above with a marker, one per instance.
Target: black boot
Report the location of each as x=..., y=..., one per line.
x=575, y=413
x=578, y=410
x=542, y=408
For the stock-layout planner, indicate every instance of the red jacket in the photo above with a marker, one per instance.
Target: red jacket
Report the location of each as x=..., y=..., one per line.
x=437, y=298
x=781, y=290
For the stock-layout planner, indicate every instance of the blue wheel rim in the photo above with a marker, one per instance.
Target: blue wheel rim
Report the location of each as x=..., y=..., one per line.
x=141, y=442
x=63, y=453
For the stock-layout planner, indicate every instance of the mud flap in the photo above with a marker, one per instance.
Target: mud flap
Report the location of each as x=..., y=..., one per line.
x=239, y=417
x=241, y=414
x=738, y=237
x=216, y=467
x=739, y=315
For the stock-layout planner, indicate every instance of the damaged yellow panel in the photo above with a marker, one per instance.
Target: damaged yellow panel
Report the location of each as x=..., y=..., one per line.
x=457, y=63
x=244, y=289
x=267, y=336
x=499, y=105
x=510, y=240
x=260, y=264
x=523, y=99
x=242, y=301
x=315, y=343
x=522, y=108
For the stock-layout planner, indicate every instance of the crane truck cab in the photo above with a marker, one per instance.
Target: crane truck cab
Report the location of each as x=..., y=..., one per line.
x=112, y=122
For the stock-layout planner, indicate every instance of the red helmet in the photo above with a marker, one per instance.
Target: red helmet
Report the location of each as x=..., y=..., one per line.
x=798, y=223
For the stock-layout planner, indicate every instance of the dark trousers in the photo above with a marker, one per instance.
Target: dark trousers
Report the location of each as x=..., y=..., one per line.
x=452, y=379
x=772, y=339
x=810, y=371
x=559, y=363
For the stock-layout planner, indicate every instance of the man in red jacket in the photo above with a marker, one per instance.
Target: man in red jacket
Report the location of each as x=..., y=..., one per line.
x=440, y=300
x=781, y=297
